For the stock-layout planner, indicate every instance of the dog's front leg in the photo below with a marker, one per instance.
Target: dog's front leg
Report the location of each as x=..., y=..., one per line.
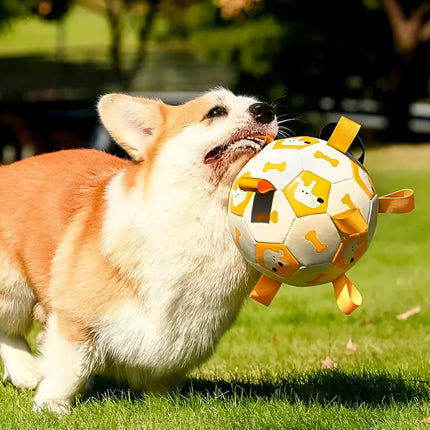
x=65, y=366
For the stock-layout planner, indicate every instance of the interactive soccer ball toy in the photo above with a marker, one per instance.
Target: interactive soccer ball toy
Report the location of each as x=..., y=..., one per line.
x=303, y=212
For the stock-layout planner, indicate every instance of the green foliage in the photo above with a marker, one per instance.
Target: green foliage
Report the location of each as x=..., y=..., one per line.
x=9, y=9
x=12, y=10
x=248, y=46
x=201, y=16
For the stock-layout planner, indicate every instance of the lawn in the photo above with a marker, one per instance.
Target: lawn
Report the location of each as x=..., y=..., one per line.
x=269, y=371
x=82, y=30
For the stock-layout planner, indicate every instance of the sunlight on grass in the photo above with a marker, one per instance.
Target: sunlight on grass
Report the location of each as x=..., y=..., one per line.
x=81, y=29
x=266, y=372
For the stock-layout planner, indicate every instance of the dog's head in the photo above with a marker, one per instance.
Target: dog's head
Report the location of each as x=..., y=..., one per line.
x=208, y=138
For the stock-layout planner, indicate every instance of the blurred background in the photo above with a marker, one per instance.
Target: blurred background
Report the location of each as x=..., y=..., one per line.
x=314, y=59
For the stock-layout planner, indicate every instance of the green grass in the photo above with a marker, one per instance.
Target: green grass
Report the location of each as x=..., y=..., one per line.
x=266, y=373
x=81, y=29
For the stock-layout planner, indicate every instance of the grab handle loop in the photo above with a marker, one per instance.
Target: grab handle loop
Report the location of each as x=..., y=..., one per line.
x=399, y=202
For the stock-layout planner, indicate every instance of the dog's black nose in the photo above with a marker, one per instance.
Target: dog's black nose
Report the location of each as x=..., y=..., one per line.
x=262, y=112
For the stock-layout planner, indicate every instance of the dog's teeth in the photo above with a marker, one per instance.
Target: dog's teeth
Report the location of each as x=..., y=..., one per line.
x=255, y=139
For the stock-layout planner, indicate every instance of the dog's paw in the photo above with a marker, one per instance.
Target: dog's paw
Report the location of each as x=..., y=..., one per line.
x=27, y=379
x=6, y=377
x=49, y=405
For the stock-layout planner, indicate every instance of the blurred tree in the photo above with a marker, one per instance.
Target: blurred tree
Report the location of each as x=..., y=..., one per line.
x=410, y=24
x=144, y=28
x=278, y=43
x=232, y=8
x=410, y=27
x=52, y=9
x=142, y=14
x=8, y=11
x=117, y=12
x=308, y=49
x=313, y=50
x=171, y=13
x=49, y=9
x=11, y=10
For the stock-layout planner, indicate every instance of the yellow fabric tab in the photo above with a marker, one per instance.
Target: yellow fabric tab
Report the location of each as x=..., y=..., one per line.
x=265, y=289
x=344, y=134
x=399, y=202
x=348, y=297
x=351, y=221
x=255, y=184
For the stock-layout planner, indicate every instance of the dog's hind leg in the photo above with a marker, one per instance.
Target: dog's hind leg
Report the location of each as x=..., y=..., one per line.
x=16, y=306
x=65, y=365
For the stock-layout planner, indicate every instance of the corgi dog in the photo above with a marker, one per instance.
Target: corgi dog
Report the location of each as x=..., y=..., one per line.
x=127, y=263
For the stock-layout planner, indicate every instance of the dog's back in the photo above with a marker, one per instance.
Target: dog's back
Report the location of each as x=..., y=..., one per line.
x=39, y=197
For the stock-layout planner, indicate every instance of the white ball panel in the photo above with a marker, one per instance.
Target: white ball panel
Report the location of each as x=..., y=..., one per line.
x=348, y=195
x=313, y=239
x=242, y=237
x=327, y=162
x=278, y=166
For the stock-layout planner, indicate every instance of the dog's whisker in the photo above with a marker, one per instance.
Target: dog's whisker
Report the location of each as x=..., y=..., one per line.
x=285, y=132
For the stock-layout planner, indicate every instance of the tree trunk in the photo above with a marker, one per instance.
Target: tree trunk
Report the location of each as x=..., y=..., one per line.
x=115, y=26
x=144, y=31
x=406, y=80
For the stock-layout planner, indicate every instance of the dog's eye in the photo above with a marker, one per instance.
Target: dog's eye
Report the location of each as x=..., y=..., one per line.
x=215, y=112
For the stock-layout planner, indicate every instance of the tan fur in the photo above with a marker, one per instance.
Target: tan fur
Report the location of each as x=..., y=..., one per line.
x=33, y=244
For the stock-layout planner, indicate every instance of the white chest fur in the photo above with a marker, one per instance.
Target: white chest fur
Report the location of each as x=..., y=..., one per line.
x=191, y=279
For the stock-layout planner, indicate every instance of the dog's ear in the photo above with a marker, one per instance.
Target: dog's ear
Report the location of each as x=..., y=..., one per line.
x=133, y=122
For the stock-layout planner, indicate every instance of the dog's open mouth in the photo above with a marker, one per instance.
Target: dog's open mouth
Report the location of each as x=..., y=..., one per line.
x=253, y=142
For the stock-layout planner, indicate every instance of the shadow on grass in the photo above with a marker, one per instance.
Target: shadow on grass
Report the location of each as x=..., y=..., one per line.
x=319, y=387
